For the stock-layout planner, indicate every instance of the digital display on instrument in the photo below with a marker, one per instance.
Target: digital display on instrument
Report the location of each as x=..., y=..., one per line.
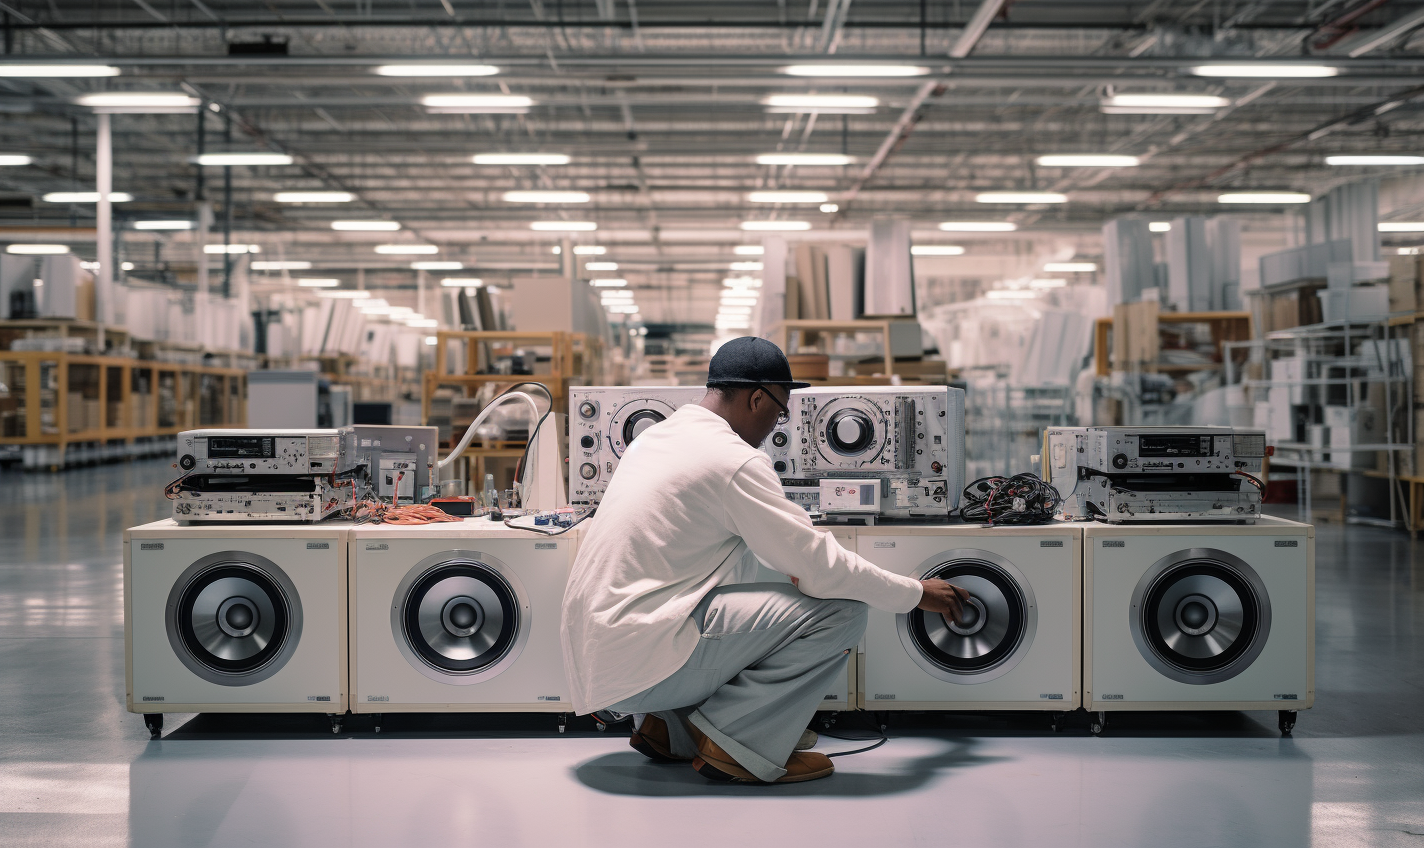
x=1179, y=445
x=240, y=447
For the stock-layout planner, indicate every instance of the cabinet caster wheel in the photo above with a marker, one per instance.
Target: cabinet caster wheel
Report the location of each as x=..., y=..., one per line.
x=336, y=722
x=828, y=721
x=1286, y=721
x=563, y=722
x=1056, y=722
x=154, y=723
x=1099, y=724
x=378, y=717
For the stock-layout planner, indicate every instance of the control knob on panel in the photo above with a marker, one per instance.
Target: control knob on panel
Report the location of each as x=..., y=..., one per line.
x=186, y=462
x=588, y=471
x=587, y=442
x=1120, y=461
x=779, y=439
x=588, y=409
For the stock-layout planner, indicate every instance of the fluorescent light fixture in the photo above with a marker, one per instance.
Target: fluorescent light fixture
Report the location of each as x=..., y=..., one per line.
x=739, y=301
x=405, y=311
x=730, y=323
x=1086, y=160
x=835, y=104
x=1401, y=226
x=749, y=250
x=163, y=225
x=366, y=226
x=1070, y=267
x=589, y=250
x=313, y=197
x=847, y=70
x=84, y=197
x=406, y=249
x=462, y=282
x=477, y=103
x=94, y=266
x=742, y=282
x=1266, y=69
x=1047, y=283
x=1374, y=160
x=126, y=266
x=936, y=250
x=1160, y=227
x=422, y=322
x=787, y=196
x=319, y=283
x=828, y=208
x=978, y=226
x=1020, y=197
x=747, y=266
x=281, y=265
x=232, y=249
x=229, y=159
x=776, y=226
x=36, y=249
x=1010, y=294
x=545, y=197
x=608, y=296
x=432, y=340
x=520, y=159
x=136, y=100
x=734, y=310
x=56, y=71
x=563, y=226
x=600, y=266
x=447, y=70
x=373, y=303
x=630, y=309
x=437, y=266
x=345, y=295
x=803, y=159
x=375, y=310
x=611, y=282
x=1408, y=251
x=1163, y=104
x=15, y=159
x=1268, y=197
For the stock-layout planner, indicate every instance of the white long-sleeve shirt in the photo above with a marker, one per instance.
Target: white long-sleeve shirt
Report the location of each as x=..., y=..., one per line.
x=689, y=498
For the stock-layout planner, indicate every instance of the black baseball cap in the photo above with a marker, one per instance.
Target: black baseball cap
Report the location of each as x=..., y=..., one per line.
x=750, y=361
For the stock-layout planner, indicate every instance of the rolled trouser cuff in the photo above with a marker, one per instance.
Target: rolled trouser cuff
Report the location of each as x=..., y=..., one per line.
x=748, y=759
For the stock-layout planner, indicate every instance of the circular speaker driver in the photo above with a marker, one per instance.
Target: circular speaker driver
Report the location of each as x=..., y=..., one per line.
x=233, y=618
x=459, y=618
x=1200, y=616
x=997, y=627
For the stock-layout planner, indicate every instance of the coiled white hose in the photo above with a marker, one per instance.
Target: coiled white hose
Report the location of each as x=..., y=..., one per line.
x=480, y=419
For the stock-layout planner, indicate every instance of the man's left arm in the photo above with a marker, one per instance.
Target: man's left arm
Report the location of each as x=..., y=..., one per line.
x=781, y=534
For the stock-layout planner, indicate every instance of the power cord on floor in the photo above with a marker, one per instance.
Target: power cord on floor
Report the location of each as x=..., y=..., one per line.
x=882, y=741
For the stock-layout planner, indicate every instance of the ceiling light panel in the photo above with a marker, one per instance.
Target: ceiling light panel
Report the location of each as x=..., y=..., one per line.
x=477, y=103
x=366, y=226
x=230, y=159
x=1026, y=197
x=437, y=266
x=520, y=159
x=313, y=197
x=978, y=226
x=281, y=265
x=1087, y=160
x=854, y=70
x=589, y=250
x=231, y=249
x=563, y=226
x=936, y=250
x=1163, y=104
x=600, y=266
x=319, y=283
x=1264, y=197
x=1070, y=267
x=834, y=104
x=1271, y=70
x=1392, y=159
x=57, y=71
x=545, y=197
x=84, y=197
x=36, y=249
x=433, y=70
x=8, y=159
x=163, y=225
x=406, y=249
x=775, y=226
x=743, y=250
x=462, y=282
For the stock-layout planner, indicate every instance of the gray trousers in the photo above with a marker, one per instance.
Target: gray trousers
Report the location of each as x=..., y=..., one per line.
x=767, y=657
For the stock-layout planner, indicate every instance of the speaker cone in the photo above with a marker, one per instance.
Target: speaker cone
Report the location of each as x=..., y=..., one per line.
x=995, y=630
x=233, y=618
x=457, y=618
x=638, y=422
x=1200, y=616
x=850, y=432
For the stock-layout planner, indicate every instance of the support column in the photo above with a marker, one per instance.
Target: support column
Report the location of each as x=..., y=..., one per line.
x=420, y=293
x=200, y=242
x=104, y=248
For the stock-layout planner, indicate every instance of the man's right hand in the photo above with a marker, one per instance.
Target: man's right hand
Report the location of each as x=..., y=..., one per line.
x=943, y=597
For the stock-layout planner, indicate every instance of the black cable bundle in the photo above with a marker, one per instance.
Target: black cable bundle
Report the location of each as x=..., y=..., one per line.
x=1009, y=501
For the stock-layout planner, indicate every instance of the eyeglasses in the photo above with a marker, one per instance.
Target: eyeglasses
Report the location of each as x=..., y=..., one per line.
x=785, y=414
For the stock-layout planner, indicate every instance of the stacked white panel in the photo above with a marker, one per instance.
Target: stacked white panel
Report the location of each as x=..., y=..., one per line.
x=1199, y=617
x=1020, y=651
x=235, y=619
x=457, y=618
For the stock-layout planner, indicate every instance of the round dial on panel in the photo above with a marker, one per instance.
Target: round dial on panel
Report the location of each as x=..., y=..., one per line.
x=851, y=432
x=632, y=419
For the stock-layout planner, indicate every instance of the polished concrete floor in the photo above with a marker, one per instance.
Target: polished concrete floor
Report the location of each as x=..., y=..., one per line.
x=76, y=769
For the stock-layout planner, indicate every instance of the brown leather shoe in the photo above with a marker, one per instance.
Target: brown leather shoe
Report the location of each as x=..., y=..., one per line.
x=652, y=741
x=715, y=764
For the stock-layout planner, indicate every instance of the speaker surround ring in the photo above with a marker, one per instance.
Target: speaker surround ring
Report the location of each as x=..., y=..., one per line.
x=632, y=418
x=233, y=618
x=460, y=617
x=1200, y=616
x=988, y=647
